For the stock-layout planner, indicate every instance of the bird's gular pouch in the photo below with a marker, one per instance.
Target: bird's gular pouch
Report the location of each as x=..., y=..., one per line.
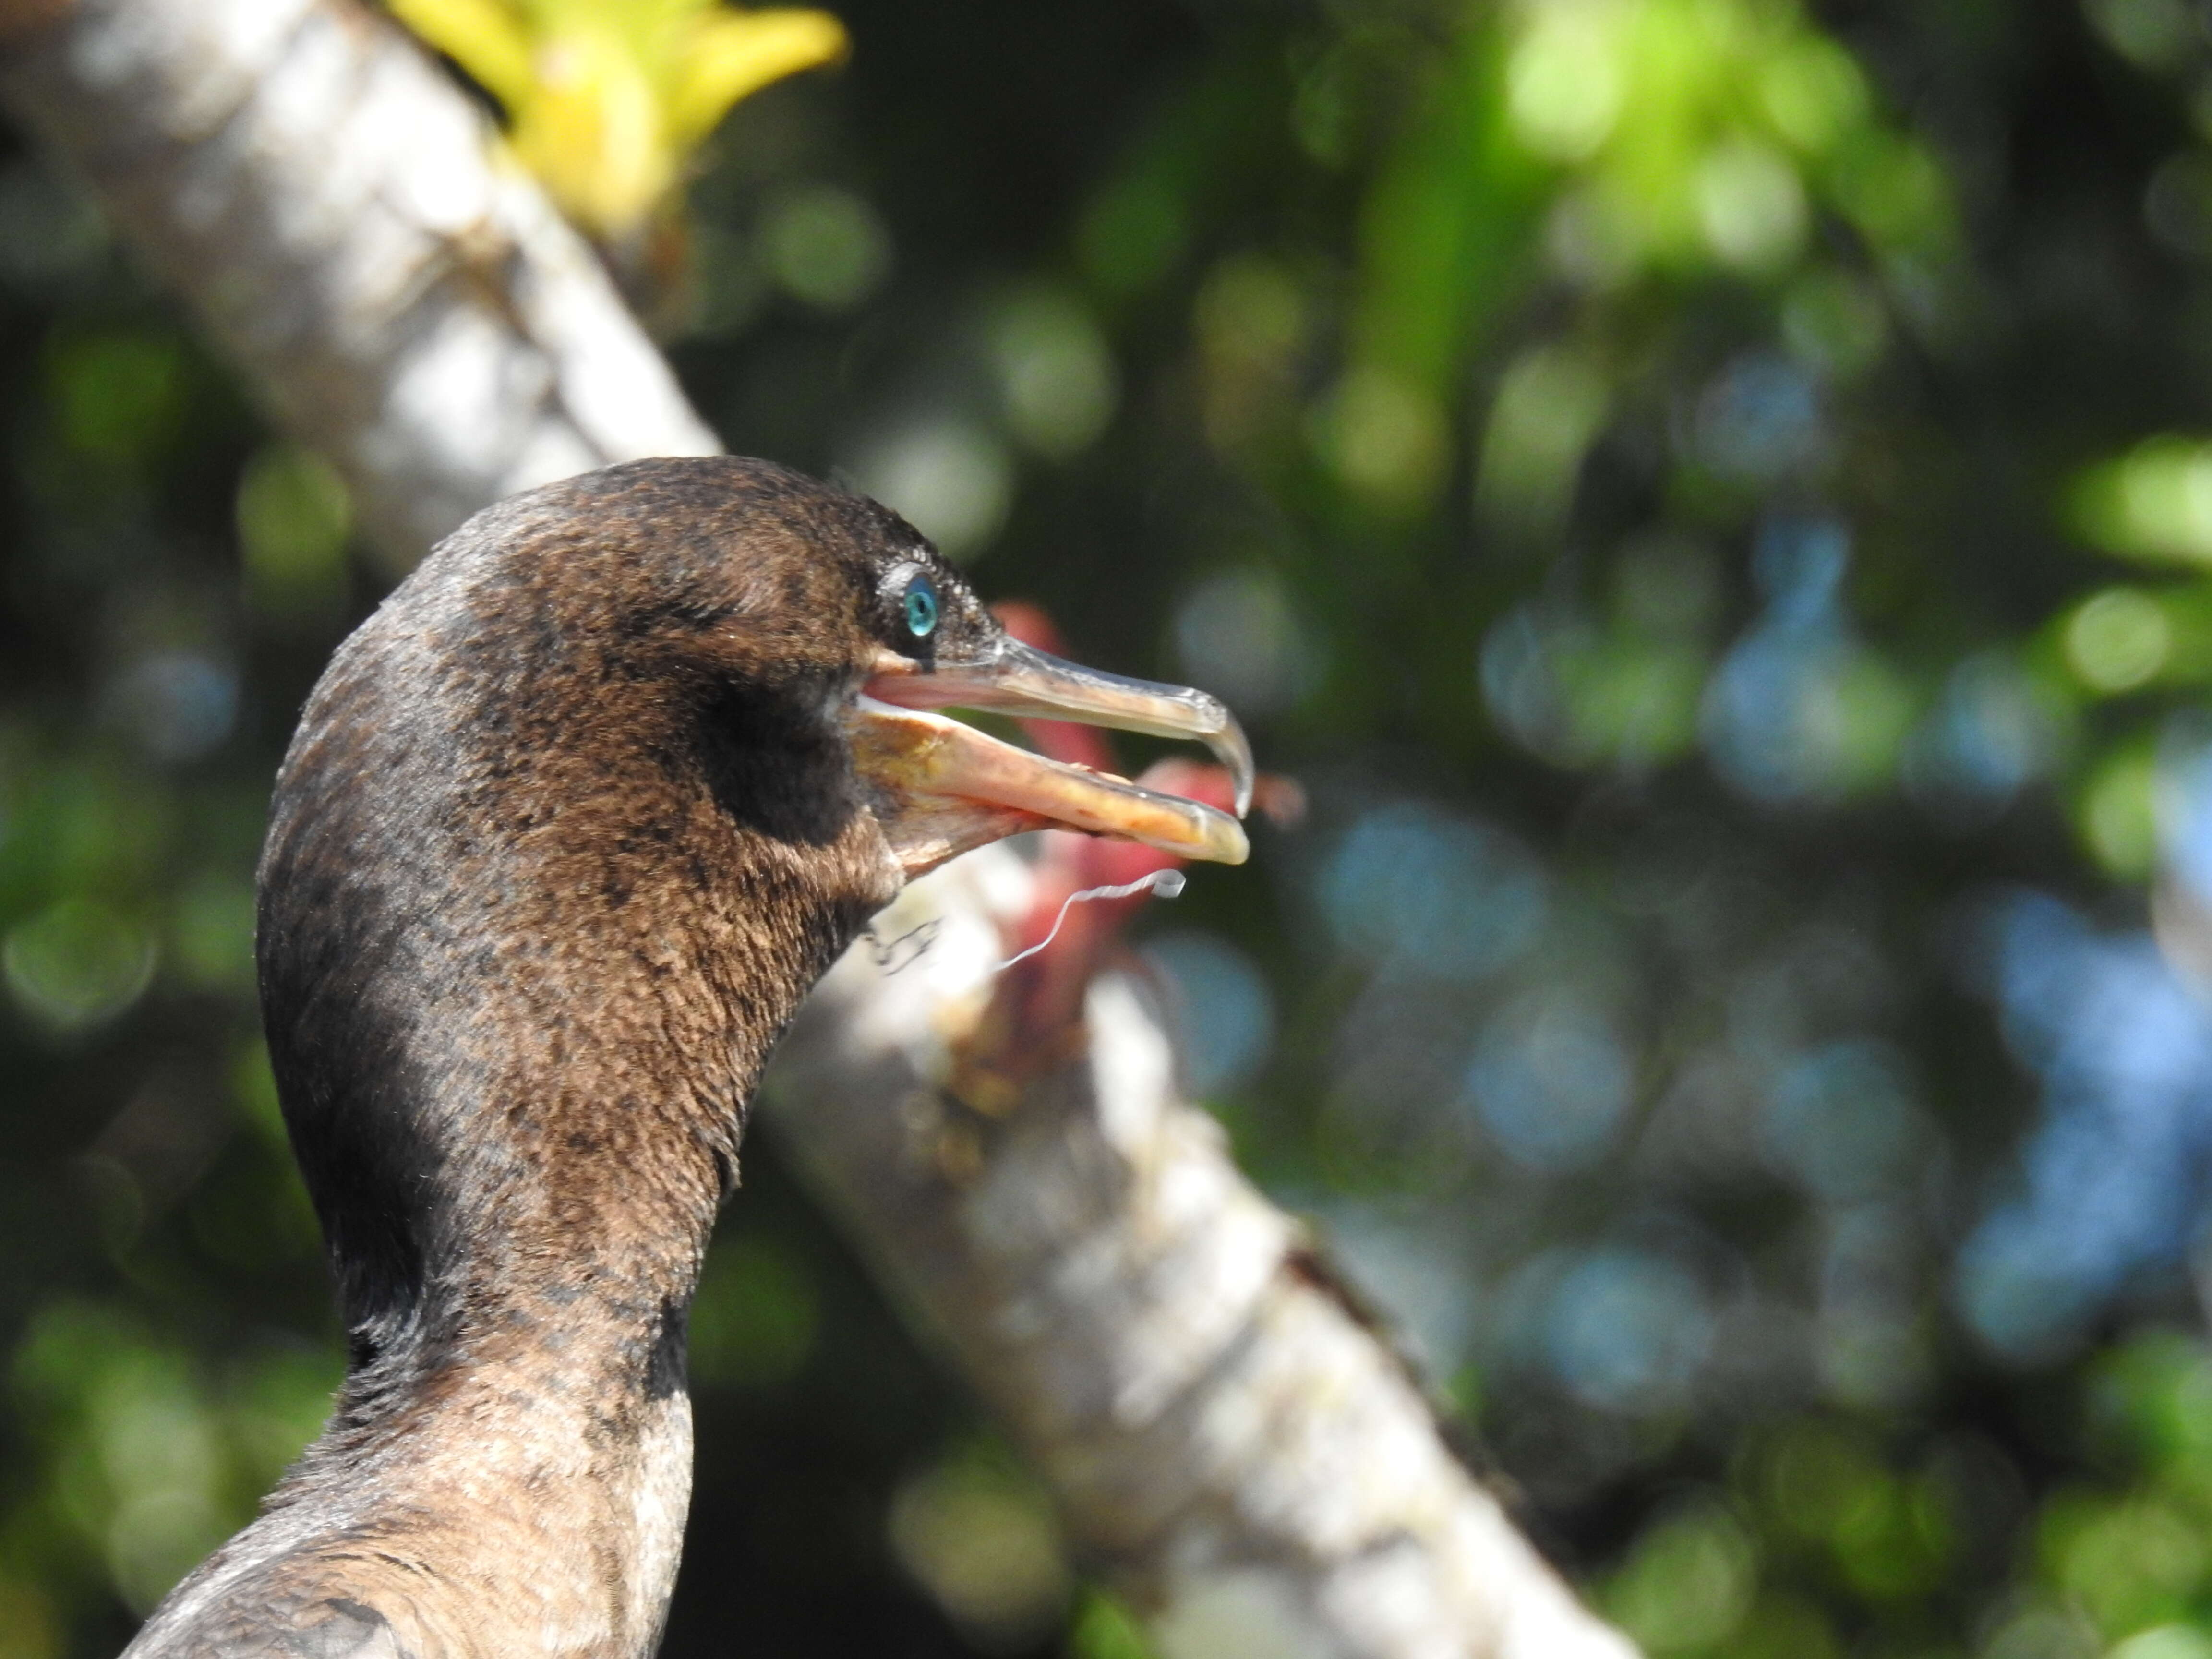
x=943, y=788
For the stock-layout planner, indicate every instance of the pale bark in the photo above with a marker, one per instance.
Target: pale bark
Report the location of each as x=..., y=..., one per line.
x=1253, y=1468
x=1256, y=1473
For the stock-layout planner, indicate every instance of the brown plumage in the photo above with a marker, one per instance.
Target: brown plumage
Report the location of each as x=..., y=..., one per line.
x=568, y=829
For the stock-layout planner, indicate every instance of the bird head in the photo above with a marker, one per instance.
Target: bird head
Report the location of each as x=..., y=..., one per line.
x=696, y=700
x=809, y=619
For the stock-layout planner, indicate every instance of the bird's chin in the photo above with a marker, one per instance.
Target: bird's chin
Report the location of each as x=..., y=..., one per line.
x=943, y=788
x=924, y=834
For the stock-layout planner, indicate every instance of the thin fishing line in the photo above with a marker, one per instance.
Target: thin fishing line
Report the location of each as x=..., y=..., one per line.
x=887, y=955
x=1166, y=883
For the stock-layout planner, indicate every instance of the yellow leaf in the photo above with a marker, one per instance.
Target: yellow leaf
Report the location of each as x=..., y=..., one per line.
x=593, y=130
x=604, y=99
x=733, y=54
x=484, y=37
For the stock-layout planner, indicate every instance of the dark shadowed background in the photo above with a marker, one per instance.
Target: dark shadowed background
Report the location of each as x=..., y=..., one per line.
x=1713, y=500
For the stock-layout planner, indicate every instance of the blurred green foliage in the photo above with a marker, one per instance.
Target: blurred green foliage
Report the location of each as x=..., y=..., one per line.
x=1714, y=498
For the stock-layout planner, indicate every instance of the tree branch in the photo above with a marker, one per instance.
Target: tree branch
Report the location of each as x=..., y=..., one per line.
x=1254, y=1468
x=1256, y=1472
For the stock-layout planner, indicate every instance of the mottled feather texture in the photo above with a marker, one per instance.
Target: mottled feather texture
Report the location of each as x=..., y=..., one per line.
x=566, y=831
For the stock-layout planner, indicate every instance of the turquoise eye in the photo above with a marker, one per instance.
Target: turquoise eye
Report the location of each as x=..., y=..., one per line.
x=921, y=608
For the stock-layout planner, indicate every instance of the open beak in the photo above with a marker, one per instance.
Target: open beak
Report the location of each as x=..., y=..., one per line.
x=949, y=786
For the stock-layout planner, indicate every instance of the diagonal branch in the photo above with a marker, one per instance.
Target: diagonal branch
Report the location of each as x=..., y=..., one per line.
x=1256, y=1471
x=1250, y=1465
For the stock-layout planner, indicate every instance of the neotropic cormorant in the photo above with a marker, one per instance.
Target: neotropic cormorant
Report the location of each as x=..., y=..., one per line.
x=569, y=828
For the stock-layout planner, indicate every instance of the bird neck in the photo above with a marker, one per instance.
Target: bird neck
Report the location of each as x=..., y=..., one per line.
x=516, y=1393
x=524, y=1492
x=517, y=1000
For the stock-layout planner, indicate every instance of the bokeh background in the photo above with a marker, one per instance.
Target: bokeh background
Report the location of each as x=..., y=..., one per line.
x=1712, y=498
